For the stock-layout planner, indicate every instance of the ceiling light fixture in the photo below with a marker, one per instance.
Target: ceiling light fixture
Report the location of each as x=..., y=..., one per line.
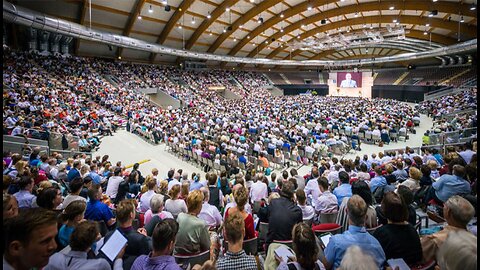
x=425, y=33
x=224, y=30
x=462, y=20
x=281, y=30
x=391, y=8
x=209, y=16
x=252, y=1
x=427, y=25
x=394, y=20
x=371, y=26
x=281, y=15
x=309, y=8
x=473, y=7
x=434, y=1
x=248, y=37
x=150, y=10
x=260, y=20
x=164, y=2
x=210, y=33
x=356, y=14
x=179, y=26
x=139, y=17
x=234, y=39
x=227, y=9
x=193, y=20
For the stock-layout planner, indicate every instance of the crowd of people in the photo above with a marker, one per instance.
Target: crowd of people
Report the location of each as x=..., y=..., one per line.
x=57, y=212
x=50, y=204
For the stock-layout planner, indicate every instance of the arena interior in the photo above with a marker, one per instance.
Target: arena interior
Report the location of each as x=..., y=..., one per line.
x=240, y=134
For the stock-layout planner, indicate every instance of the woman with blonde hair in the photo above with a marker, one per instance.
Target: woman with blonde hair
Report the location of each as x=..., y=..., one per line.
x=192, y=236
x=413, y=181
x=240, y=196
x=175, y=205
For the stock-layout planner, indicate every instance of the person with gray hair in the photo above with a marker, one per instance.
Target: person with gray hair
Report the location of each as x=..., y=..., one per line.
x=155, y=213
x=459, y=251
x=356, y=259
x=355, y=235
x=457, y=211
x=209, y=213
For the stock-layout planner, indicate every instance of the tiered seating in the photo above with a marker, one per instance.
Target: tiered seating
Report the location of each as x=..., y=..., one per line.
x=388, y=77
x=430, y=76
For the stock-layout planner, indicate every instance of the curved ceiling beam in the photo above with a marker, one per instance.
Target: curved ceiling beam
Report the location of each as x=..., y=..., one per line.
x=131, y=21
x=446, y=7
x=248, y=16
x=171, y=23
x=413, y=34
x=219, y=10
x=437, y=23
x=328, y=52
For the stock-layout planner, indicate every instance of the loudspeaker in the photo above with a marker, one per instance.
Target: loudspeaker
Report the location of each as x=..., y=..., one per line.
x=167, y=8
x=229, y=28
x=323, y=21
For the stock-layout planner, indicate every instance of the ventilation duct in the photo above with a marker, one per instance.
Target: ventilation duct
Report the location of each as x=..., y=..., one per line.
x=4, y=35
x=460, y=59
x=65, y=44
x=20, y=15
x=444, y=62
x=32, y=39
x=43, y=38
x=451, y=61
x=54, y=43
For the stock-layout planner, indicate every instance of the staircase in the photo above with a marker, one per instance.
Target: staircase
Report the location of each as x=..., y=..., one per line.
x=446, y=81
x=285, y=78
x=405, y=74
x=112, y=79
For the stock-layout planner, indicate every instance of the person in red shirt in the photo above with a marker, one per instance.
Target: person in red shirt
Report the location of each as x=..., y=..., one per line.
x=241, y=198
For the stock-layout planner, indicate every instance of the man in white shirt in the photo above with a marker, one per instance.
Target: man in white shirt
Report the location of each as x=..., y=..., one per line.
x=113, y=183
x=258, y=190
x=209, y=213
x=145, y=198
x=174, y=182
x=333, y=175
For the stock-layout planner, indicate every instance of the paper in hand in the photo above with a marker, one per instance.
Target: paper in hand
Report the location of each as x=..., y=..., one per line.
x=400, y=263
x=284, y=253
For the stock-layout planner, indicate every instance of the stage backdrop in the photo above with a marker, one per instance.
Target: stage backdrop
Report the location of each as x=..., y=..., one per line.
x=354, y=82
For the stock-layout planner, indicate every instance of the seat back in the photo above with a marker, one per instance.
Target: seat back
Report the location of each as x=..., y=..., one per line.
x=372, y=230
x=262, y=231
x=251, y=246
x=102, y=227
x=193, y=259
x=256, y=206
x=328, y=217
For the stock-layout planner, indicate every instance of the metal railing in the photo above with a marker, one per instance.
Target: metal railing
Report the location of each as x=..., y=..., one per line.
x=457, y=136
x=418, y=150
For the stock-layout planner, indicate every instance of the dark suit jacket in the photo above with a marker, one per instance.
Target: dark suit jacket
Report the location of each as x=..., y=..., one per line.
x=137, y=245
x=283, y=214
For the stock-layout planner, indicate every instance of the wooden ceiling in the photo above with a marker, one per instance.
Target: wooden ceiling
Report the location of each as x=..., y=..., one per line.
x=231, y=27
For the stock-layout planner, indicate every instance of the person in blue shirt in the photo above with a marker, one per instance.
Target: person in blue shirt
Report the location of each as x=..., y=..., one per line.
x=75, y=171
x=97, y=179
x=242, y=159
x=72, y=215
x=196, y=183
x=378, y=180
x=345, y=189
x=356, y=235
x=449, y=185
x=97, y=210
